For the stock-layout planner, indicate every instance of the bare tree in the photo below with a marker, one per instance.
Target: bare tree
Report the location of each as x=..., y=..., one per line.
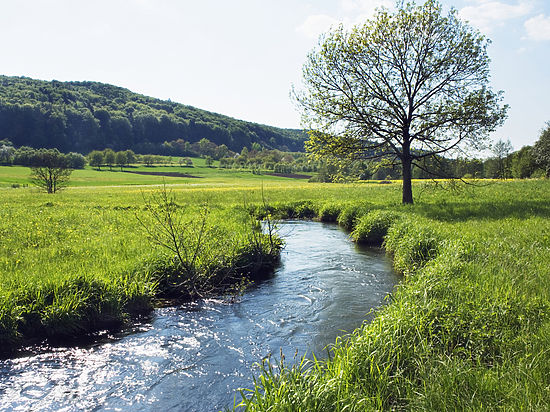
x=200, y=249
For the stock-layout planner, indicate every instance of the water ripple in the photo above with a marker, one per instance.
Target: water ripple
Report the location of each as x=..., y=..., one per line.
x=194, y=357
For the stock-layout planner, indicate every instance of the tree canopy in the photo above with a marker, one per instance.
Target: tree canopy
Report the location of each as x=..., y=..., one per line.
x=86, y=116
x=50, y=169
x=541, y=150
x=406, y=86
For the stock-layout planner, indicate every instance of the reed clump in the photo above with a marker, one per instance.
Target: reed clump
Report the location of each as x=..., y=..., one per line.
x=350, y=213
x=329, y=212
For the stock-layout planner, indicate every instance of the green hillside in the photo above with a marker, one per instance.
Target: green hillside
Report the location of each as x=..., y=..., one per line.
x=83, y=116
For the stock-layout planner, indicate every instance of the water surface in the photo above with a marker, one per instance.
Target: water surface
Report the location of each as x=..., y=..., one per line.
x=194, y=357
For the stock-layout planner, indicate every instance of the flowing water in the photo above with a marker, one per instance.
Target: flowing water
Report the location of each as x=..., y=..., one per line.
x=194, y=357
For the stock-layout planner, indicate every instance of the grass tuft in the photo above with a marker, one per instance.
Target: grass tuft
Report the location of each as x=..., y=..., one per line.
x=370, y=229
x=329, y=212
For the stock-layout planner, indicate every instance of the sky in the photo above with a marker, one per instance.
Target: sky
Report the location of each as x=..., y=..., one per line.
x=241, y=57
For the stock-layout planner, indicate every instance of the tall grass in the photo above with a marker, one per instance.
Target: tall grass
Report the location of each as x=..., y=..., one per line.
x=72, y=264
x=372, y=227
x=467, y=329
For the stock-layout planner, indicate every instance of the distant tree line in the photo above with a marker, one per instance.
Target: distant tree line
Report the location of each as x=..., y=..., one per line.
x=258, y=159
x=110, y=158
x=27, y=156
x=529, y=161
x=125, y=158
x=204, y=147
x=504, y=163
x=518, y=165
x=86, y=116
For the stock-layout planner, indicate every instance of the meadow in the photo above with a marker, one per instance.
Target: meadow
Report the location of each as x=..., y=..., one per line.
x=467, y=328
x=137, y=175
x=91, y=257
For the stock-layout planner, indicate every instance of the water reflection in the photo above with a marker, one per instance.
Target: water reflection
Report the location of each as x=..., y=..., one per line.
x=192, y=358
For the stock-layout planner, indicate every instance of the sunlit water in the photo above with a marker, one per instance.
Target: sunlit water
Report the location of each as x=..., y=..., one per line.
x=194, y=357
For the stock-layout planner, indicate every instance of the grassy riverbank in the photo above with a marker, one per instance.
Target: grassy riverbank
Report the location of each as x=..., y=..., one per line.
x=468, y=328
x=82, y=261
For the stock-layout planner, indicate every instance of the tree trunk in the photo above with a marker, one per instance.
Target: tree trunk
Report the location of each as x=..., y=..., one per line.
x=407, y=176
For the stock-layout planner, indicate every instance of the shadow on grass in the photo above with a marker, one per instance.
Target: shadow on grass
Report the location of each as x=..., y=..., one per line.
x=451, y=211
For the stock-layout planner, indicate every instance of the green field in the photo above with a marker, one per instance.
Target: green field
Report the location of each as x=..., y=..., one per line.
x=467, y=329
x=202, y=175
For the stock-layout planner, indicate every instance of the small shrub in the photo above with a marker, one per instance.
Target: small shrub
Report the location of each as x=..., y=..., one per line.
x=372, y=228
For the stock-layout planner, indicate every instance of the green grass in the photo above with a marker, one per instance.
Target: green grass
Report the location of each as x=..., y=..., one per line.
x=467, y=329
x=89, y=176
x=372, y=227
x=80, y=260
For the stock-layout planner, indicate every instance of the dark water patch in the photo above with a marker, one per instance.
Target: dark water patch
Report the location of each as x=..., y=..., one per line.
x=194, y=357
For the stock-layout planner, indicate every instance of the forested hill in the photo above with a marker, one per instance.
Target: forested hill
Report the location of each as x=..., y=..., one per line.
x=83, y=116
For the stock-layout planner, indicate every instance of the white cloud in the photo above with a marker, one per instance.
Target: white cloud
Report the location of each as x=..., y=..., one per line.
x=488, y=14
x=538, y=27
x=522, y=50
x=316, y=24
x=364, y=7
x=351, y=12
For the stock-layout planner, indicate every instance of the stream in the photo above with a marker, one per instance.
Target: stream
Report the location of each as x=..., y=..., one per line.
x=194, y=357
